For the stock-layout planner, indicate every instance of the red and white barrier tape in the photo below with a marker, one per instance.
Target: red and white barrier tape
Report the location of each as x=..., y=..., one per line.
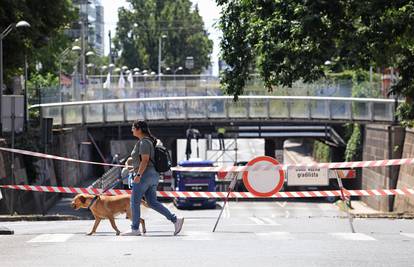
x=333, y=165
x=299, y=194
x=47, y=156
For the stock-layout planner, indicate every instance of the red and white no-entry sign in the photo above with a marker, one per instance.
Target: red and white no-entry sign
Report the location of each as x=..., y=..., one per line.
x=264, y=183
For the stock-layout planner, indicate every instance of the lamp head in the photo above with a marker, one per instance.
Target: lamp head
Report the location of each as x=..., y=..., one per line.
x=76, y=49
x=22, y=23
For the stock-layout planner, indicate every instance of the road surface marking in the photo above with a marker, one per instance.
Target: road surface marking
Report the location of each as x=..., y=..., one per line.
x=227, y=211
x=196, y=236
x=263, y=221
x=326, y=207
x=282, y=205
x=50, y=238
x=410, y=235
x=257, y=221
x=353, y=236
x=270, y=221
x=276, y=235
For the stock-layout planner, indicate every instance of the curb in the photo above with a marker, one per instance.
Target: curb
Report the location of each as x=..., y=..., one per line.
x=5, y=231
x=396, y=216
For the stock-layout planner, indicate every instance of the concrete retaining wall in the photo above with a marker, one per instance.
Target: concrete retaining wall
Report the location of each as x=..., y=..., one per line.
x=406, y=176
x=72, y=143
x=381, y=142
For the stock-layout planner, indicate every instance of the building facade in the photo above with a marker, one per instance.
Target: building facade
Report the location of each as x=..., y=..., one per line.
x=96, y=25
x=91, y=13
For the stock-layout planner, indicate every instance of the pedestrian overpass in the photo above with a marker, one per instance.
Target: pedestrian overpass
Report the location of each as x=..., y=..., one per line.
x=176, y=110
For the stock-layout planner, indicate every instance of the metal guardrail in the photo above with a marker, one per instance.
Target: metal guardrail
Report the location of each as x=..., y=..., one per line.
x=109, y=177
x=324, y=109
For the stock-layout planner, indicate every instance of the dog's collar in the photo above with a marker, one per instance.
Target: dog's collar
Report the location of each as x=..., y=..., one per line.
x=92, y=202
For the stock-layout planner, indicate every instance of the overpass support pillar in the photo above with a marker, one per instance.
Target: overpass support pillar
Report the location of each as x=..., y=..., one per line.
x=274, y=148
x=171, y=145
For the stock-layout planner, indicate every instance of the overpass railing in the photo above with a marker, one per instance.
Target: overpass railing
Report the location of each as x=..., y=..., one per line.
x=363, y=110
x=190, y=85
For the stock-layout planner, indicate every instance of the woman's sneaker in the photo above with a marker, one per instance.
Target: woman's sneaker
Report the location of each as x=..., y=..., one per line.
x=132, y=233
x=178, y=225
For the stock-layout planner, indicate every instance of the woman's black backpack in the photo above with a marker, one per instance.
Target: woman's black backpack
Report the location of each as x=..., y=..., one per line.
x=162, y=158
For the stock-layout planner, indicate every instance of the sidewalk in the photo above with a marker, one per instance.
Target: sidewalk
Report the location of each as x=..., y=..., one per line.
x=362, y=210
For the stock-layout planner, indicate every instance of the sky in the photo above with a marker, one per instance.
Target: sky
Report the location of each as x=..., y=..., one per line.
x=208, y=10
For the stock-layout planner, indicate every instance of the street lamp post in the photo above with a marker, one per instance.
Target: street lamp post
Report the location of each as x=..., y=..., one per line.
x=2, y=36
x=175, y=71
x=102, y=69
x=19, y=24
x=77, y=50
x=159, y=54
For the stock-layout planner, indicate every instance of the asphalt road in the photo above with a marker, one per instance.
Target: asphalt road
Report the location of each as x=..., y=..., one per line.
x=249, y=234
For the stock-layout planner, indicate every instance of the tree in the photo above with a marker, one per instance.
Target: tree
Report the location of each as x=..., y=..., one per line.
x=140, y=27
x=290, y=40
x=43, y=41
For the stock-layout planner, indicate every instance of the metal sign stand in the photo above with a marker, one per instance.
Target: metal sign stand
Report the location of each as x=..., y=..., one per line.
x=231, y=188
x=344, y=199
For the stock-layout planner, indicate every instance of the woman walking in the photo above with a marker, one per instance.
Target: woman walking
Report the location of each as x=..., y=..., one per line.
x=146, y=179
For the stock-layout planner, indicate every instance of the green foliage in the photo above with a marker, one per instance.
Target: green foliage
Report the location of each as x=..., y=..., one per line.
x=361, y=85
x=140, y=28
x=39, y=80
x=45, y=82
x=321, y=152
x=353, y=148
x=404, y=111
x=43, y=41
x=287, y=41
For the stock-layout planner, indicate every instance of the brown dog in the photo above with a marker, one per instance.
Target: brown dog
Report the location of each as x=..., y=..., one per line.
x=106, y=207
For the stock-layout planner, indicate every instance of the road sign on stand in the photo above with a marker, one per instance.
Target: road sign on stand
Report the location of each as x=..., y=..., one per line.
x=264, y=183
x=307, y=176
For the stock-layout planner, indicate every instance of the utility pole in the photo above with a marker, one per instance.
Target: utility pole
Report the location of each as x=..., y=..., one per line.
x=160, y=55
x=84, y=20
x=83, y=52
x=159, y=58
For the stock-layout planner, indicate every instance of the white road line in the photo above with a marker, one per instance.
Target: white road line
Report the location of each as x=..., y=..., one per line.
x=226, y=211
x=410, y=235
x=287, y=214
x=353, y=236
x=276, y=235
x=270, y=221
x=256, y=220
x=282, y=205
x=325, y=206
x=50, y=238
x=120, y=238
x=196, y=235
